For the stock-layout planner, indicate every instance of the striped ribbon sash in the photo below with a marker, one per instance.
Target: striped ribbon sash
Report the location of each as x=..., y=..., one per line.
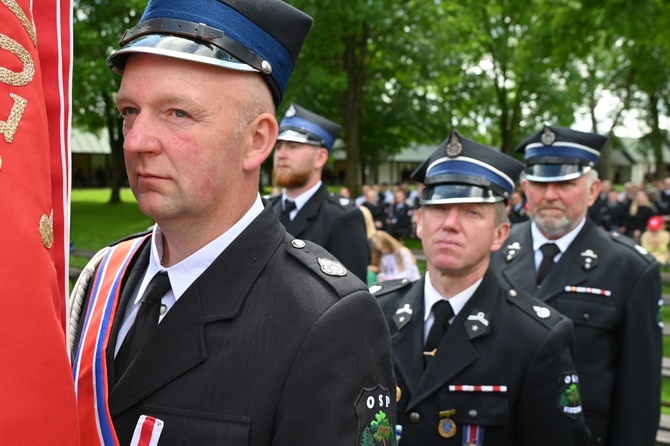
x=90, y=365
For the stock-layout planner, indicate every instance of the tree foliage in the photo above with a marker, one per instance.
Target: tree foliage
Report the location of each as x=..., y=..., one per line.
x=396, y=73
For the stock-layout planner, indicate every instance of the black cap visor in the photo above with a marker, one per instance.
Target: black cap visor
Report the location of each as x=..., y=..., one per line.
x=547, y=173
x=176, y=47
x=458, y=193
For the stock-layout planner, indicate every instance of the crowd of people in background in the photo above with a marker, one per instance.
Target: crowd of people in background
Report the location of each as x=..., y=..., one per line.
x=639, y=211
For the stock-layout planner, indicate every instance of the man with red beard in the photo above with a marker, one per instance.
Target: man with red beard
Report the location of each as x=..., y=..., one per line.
x=605, y=283
x=305, y=207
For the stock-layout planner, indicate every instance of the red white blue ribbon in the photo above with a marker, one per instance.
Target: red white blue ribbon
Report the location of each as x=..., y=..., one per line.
x=90, y=363
x=473, y=435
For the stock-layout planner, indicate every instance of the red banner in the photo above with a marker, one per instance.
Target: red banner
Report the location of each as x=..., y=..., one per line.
x=38, y=401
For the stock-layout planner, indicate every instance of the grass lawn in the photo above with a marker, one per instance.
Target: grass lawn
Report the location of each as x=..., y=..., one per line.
x=95, y=223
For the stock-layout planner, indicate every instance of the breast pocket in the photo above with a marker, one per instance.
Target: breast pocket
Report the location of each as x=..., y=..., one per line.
x=184, y=427
x=594, y=319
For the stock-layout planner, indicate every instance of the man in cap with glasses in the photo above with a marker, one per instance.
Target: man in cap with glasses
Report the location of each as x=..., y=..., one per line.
x=609, y=286
x=217, y=327
x=476, y=363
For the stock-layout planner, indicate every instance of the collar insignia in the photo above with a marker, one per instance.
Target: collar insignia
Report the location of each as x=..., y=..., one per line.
x=477, y=324
x=588, y=259
x=511, y=251
x=402, y=316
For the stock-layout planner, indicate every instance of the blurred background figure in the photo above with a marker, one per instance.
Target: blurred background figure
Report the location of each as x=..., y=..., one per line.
x=640, y=210
x=391, y=259
x=516, y=208
x=656, y=238
x=370, y=230
x=399, y=220
x=616, y=213
x=377, y=207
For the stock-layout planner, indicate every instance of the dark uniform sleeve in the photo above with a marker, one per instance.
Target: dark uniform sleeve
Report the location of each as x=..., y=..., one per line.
x=550, y=405
x=636, y=399
x=341, y=388
x=349, y=243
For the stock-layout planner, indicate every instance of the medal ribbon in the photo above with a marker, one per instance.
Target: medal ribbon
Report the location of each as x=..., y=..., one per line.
x=473, y=435
x=90, y=365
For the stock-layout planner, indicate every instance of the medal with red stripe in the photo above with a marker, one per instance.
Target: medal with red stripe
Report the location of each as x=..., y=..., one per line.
x=90, y=365
x=473, y=435
x=147, y=431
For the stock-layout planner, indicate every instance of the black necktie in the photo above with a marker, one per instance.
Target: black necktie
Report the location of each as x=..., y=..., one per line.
x=289, y=205
x=442, y=312
x=549, y=251
x=145, y=323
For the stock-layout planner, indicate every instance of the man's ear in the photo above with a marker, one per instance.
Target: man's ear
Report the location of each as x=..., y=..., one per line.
x=594, y=191
x=322, y=155
x=261, y=137
x=501, y=233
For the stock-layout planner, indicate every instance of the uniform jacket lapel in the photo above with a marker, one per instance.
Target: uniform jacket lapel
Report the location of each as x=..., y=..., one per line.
x=409, y=339
x=308, y=212
x=178, y=344
x=457, y=350
x=519, y=259
x=569, y=270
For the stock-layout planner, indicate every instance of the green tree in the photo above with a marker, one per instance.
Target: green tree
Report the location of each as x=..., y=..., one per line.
x=98, y=26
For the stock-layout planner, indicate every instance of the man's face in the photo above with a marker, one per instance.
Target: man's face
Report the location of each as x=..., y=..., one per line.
x=183, y=139
x=458, y=238
x=296, y=164
x=558, y=207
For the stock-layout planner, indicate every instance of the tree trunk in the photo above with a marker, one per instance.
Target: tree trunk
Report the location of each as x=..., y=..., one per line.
x=657, y=137
x=355, y=59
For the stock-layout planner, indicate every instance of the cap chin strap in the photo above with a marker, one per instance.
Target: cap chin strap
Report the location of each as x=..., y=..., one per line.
x=198, y=32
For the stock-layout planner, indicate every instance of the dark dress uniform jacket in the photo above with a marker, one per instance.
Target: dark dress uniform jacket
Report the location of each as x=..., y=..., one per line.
x=263, y=348
x=531, y=355
x=618, y=338
x=338, y=228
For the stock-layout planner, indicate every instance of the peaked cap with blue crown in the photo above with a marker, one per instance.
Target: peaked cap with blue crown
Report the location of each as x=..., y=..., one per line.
x=263, y=36
x=464, y=171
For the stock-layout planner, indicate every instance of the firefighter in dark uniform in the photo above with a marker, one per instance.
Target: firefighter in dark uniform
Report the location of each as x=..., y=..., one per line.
x=305, y=207
x=606, y=284
x=476, y=363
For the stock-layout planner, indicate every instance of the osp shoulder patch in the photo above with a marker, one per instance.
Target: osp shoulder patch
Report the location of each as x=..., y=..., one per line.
x=375, y=420
x=569, y=399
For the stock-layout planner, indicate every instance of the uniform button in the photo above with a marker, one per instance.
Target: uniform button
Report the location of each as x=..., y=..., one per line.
x=414, y=417
x=587, y=316
x=472, y=413
x=599, y=440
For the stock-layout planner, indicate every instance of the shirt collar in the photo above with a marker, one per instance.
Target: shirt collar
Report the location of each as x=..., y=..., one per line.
x=184, y=273
x=563, y=243
x=458, y=301
x=303, y=198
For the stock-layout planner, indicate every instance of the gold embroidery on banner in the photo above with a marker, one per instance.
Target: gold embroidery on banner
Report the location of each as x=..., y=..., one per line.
x=8, y=128
x=47, y=230
x=10, y=77
x=27, y=23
